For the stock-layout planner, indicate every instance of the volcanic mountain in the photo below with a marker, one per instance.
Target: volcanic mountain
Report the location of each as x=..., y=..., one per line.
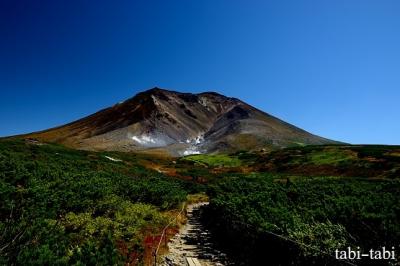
x=179, y=123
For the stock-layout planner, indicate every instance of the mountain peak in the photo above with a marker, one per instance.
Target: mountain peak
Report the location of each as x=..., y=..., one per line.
x=213, y=93
x=156, y=90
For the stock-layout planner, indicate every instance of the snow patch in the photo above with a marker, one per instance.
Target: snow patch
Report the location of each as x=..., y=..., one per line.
x=194, y=145
x=190, y=151
x=144, y=139
x=113, y=159
x=150, y=140
x=199, y=139
x=196, y=141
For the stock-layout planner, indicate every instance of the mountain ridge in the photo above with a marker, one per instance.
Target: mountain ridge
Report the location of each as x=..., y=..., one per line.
x=180, y=124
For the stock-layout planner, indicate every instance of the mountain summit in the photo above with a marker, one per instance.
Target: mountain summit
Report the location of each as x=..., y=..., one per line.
x=181, y=124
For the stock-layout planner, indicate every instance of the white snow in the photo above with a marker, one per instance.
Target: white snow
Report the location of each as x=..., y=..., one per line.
x=194, y=145
x=113, y=159
x=190, y=152
x=150, y=140
x=197, y=140
x=144, y=139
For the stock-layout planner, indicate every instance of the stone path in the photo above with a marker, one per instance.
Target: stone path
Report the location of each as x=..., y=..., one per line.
x=193, y=243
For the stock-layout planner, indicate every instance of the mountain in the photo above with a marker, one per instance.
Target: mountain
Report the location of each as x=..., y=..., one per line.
x=180, y=124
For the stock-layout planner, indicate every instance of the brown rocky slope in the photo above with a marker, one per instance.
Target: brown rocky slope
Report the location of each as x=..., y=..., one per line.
x=180, y=124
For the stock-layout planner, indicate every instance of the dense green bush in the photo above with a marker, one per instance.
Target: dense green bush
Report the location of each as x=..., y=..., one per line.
x=61, y=206
x=302, y=220
x=66, y=207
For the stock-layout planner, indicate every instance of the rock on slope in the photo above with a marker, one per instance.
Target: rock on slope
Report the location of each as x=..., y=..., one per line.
x=179, y=123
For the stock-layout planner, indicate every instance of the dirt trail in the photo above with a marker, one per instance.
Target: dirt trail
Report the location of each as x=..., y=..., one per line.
x=193, y=241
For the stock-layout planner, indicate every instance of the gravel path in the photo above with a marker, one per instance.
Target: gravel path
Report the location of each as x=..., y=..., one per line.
x=193, y=241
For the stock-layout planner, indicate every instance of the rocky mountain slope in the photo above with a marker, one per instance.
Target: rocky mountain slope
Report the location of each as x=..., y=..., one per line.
x=179, y=123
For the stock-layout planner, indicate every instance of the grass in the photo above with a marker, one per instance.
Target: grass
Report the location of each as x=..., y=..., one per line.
x=214, y=160
x=331, y=156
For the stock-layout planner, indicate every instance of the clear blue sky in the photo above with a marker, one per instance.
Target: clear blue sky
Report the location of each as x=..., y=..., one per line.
x=330, y=67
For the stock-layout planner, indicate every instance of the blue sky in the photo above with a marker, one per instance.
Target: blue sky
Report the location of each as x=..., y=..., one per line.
x=330, y=67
